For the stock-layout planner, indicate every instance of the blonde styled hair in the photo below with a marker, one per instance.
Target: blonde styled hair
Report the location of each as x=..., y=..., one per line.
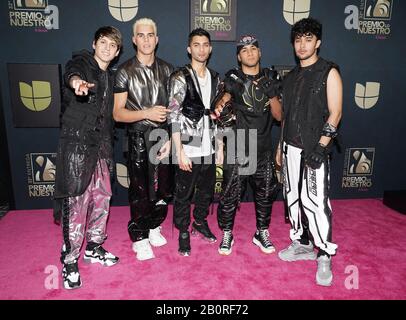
x=145, y=22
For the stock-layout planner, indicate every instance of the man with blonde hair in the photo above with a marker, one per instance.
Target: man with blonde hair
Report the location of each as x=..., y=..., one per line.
x=140, y=100
x=145, y=22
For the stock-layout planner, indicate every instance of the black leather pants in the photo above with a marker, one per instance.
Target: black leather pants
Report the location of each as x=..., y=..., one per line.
x=150, y=189
x=198, y=183
x=264, y=185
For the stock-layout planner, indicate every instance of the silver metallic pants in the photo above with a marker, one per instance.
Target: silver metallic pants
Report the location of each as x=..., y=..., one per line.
x=92, y=207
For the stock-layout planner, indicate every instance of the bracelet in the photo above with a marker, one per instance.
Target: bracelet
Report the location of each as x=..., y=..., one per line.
x=329, y=131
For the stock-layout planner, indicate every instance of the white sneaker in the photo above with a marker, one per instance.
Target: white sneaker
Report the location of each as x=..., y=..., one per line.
x=324, y=276
x=143, y=250
x=161, y=203
x=156, y=238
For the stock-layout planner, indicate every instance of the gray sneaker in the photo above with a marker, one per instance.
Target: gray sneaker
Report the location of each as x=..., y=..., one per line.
x=324, y=276
x=297, y=251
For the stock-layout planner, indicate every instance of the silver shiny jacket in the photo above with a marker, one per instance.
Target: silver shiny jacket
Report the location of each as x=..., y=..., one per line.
x=146, y=86
x=177, y=93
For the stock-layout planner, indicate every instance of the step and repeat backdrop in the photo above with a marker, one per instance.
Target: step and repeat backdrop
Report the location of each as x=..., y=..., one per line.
x=364, y=37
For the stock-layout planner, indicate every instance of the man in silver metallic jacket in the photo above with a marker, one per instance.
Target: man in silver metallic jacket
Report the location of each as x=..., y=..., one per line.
x=84, y=158
x=193, y=88
x=140, y=100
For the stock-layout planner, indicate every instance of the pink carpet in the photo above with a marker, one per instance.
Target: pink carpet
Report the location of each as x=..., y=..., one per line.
x=371, y=240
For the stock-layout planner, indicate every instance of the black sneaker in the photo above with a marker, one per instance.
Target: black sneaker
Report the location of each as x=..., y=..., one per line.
x=261, y=239
x=203, y=230
x=226, y=243
x=184, y=244
x=71, y=276
x=100, y=255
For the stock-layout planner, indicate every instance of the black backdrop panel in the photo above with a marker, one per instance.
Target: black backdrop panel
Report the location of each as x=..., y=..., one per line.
x=35, y=94
x=6, y=188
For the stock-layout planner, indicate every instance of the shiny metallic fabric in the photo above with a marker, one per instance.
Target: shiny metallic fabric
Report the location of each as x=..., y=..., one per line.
x=97, y=199
x=146, y=86
x=178, y=87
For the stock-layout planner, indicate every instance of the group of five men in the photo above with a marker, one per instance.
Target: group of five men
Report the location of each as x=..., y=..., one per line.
x=181, y=124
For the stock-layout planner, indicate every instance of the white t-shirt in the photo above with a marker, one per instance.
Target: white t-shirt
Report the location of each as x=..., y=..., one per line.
x=206, y=147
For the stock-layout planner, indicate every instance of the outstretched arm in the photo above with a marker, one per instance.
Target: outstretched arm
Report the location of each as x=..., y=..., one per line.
x=80, y=86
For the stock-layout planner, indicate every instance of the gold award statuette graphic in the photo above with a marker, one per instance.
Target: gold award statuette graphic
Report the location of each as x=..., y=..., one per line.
x=36, y=97
x=381, y=10
x=215, y=6
x=358, y=169
x=362, y=164
x=47, y=172
x=41, y=174
x=30, y=4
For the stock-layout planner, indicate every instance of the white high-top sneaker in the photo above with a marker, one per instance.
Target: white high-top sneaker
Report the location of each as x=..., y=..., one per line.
x=71, y=276
x=324, y=276
x=143, y=250
x=156, y=238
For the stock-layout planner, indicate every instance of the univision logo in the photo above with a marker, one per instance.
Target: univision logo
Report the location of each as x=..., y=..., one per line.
x=36, y=97
x=215, y=6
x=123, y=10
x=295, y=10
x=367, y=96
x=122, y=175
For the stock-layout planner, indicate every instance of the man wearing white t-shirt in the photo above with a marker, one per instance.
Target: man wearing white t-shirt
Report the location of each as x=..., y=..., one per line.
x=192, y=90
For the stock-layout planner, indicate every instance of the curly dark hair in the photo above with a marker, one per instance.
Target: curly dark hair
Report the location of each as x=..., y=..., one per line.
x=304, y=27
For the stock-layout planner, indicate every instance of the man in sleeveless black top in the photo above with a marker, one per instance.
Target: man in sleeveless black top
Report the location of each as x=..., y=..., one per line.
x=312, y=104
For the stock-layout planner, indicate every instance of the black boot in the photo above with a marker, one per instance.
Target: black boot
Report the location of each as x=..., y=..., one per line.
x=203, y=230
x=184, y=243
